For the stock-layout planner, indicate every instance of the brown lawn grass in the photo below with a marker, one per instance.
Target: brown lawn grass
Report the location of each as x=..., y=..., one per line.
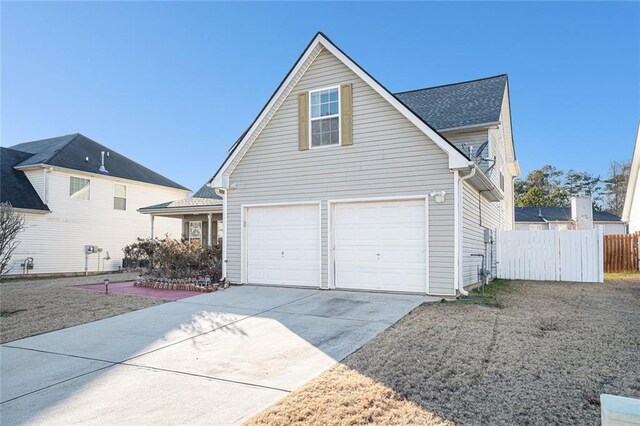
x=536, y=353
x=35, y=306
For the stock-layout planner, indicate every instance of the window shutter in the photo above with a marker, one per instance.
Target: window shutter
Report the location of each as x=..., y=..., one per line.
x=303, y=121
x=346, y=113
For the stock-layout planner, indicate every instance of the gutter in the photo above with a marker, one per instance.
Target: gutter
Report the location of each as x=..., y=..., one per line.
x=458, y=230
x=222, y=192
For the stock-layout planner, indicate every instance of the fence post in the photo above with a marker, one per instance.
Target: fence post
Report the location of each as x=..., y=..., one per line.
x=600, y=254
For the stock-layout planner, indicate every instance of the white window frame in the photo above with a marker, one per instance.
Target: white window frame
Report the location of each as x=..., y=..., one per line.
x=115, y=196
x=88, y=191
x=311, y=119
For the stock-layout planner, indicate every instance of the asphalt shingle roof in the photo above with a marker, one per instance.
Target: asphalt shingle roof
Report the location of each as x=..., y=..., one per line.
x=203, y=197
x=458, y=105
x=71, y=151
x=15, y=187
x=557, y=214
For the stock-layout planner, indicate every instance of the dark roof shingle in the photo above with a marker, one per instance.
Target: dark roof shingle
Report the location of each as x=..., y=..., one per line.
x=557, y=214
x=71, y=151
x=458, y=105
x=15, y=187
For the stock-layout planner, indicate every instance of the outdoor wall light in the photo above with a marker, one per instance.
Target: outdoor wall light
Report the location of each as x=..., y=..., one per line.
x=439, y=197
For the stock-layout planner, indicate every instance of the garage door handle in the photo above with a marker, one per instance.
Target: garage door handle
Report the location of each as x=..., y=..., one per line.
x=282, y=254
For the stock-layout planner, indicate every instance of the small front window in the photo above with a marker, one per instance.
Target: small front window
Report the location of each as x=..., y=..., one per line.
x=79, y=188
x=119, y=197
x=325, y=117
x=195, y=232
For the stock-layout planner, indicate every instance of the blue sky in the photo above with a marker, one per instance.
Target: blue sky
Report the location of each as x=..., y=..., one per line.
x=172, y=85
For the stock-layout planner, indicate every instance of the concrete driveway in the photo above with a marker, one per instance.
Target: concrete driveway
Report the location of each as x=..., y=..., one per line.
x=216, y=358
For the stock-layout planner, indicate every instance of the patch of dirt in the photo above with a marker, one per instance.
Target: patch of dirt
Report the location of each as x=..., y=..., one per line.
x=543, y=358
x=30, y=307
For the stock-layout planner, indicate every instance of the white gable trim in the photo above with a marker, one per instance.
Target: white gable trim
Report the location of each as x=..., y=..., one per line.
x=456, y=159
x=633, y=179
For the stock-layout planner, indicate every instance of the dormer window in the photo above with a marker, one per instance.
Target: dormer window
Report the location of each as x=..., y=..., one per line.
x=325, y=117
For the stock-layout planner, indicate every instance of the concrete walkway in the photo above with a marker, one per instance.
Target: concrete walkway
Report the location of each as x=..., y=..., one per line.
x=217, y=358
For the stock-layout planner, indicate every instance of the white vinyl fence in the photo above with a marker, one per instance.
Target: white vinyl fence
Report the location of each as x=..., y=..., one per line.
x=551, y=255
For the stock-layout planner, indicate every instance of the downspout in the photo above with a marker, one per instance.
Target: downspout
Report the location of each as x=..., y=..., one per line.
x=458, y=229
x=223, y=193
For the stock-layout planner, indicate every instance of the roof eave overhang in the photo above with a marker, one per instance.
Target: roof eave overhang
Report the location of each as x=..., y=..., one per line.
x=98, y=175
x=484, y=185
x=456, y=158
x=31, y=211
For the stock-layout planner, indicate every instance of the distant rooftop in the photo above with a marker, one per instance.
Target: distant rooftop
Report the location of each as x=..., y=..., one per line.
x=72, y=151
x=557, y=214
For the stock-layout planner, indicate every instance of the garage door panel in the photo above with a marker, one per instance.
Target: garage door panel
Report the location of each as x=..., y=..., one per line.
x=380, y=245
x=283, y=245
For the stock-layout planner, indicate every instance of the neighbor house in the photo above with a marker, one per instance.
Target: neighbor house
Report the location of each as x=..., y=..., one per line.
x=340, y=183
x=80, y=202
x=567, y=218
x=631, y=210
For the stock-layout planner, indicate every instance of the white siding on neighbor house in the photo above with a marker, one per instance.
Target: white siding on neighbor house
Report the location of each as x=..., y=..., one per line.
x=613, y=228
x=38, y=181
x=478, y=214
x=526, y=226
x=389, y=157
x=609, y=228
x=56, y=240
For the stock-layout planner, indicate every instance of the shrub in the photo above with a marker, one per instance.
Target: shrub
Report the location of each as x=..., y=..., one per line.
x=173, y=259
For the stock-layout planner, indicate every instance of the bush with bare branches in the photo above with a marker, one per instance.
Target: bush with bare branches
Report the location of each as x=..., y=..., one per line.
x=174, y=259
x=11, y=224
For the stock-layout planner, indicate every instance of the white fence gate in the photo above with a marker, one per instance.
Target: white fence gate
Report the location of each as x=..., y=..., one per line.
x=551, y=255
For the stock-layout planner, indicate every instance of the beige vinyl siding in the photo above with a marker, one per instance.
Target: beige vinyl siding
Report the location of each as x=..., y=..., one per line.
x=500, y=144
x=474, y=221
x=56, y=240
x=473, y=138
x=389, y=157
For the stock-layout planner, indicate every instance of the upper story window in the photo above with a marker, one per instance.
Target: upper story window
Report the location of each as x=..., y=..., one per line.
x=119, y=197
x=325, y=117
x=79, y=188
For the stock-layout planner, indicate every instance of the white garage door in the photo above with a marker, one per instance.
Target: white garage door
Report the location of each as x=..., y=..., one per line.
x=283, y=245
x=380, y=246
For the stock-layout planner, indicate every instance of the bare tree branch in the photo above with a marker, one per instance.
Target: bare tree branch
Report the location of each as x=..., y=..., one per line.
x=11, y=224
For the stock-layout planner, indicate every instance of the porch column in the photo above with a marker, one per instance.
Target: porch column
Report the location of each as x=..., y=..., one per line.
x=152, y=217
x=210, y=233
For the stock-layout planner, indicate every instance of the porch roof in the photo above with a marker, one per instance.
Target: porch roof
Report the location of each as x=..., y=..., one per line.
x=186, y=206
x=204, y=200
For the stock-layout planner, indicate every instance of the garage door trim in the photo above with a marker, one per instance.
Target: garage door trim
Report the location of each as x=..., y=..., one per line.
x=243, y=234
x=331, y=230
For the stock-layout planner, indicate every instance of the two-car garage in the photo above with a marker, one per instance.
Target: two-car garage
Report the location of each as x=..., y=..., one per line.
x=373, y=245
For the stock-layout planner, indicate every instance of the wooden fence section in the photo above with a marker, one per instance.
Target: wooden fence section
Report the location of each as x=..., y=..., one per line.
x=621, y=253
x=551, y=255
